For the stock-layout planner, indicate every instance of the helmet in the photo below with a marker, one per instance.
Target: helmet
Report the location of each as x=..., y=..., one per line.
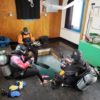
x=25, y=31
x=21, y=49
x=76, y=55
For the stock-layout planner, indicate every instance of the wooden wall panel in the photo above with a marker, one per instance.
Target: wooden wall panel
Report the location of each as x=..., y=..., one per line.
x=54, y=24
x=10, y=26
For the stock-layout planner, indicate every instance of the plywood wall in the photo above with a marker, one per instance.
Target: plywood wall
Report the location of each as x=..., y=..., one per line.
x=10, y=26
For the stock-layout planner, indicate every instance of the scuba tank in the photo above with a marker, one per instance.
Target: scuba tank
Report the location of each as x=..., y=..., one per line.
x=5, y=69
x=3, y=60
x=86, y=81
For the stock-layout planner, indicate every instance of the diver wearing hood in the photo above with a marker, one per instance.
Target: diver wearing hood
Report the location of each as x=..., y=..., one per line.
x=22, y=64
x=75, y=73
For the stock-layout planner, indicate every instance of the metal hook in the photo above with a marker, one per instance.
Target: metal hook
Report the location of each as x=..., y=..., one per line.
x=32, y=5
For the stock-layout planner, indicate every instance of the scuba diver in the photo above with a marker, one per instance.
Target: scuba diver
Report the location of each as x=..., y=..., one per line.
x=26, y=39
x=75, y=73
x=22, y=64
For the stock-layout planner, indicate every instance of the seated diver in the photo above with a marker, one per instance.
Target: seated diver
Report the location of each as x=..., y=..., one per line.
x=22, y=66
x=26, y=38
x=75, y=73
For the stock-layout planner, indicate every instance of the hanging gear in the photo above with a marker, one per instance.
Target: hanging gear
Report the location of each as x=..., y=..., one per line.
x=31, y=3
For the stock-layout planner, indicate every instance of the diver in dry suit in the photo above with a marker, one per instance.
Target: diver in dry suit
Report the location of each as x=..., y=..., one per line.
x=26, y=38
x=21, y=62
x=72, y=71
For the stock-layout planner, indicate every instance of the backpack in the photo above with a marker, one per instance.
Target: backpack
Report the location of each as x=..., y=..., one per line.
x=44, y=40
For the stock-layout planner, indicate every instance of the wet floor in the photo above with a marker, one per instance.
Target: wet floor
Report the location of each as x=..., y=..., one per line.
x=52, y=62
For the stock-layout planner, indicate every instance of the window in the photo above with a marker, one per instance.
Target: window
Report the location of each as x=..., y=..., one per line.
x=74, y=14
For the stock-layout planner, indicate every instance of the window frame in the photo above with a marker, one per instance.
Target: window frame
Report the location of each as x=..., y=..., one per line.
x=81, y=19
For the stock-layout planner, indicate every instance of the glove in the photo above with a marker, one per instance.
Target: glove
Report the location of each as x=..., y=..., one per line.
x=29, y=58
x=21, y=84
x=17, y=86
x=13, y=88
x=31, y=61
x=36, y=43
x=10, y=93
x=14, y=94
